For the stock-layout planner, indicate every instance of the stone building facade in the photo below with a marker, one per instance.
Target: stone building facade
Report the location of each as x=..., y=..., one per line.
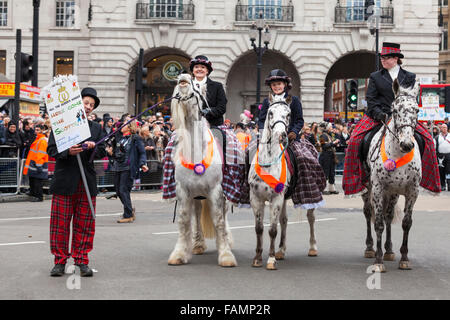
x=315, y=41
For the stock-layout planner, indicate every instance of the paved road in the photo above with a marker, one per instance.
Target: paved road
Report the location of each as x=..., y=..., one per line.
x=131, y=259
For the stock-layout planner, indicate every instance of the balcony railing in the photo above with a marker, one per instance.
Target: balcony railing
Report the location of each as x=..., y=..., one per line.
x=175, y=11
x=275, y=13
x=359, y=14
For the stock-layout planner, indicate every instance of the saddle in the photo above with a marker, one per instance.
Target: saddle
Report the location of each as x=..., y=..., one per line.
x=291, y=165
x=365, y=143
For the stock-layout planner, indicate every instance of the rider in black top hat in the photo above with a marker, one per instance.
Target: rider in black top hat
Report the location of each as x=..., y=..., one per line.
x=216, y=100
x=280, y=84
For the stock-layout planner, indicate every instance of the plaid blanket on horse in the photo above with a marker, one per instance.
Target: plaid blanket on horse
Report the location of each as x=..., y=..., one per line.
x=233, y=170
x=311, y=181
x=355, y=177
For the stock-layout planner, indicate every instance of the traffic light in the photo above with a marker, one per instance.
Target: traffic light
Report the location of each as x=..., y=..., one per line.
x=26, y=67
x=352, y=94
x=141, y=72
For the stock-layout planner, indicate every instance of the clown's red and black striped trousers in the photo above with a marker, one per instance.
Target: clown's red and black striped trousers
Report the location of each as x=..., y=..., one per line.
x=64, y=207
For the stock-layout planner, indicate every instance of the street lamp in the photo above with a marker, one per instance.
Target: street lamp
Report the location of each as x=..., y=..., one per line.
x=373, y=23
x=256, y=31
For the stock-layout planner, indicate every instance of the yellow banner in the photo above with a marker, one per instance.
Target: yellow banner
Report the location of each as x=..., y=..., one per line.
x=6, y=89
x=29, y=109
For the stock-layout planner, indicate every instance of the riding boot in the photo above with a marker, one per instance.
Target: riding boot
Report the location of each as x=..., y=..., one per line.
x=332, y=189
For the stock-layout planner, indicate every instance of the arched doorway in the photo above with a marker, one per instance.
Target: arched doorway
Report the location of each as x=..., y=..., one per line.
x=241, y=80
x=163, y=65
x=355, y=66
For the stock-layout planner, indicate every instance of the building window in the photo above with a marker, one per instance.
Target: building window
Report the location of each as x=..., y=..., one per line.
x=65, y=13
x=444, y=38
x=442, y=76
x=166, y=8
x=63, y=63
x=3, y=62
x=271, y=9
x=443, y=3
x=356, y=9
x=3, y=13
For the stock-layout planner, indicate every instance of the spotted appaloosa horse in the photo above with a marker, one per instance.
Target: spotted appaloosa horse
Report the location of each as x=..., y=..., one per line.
x=198, y=175
x=395, y=169
x=271, y=160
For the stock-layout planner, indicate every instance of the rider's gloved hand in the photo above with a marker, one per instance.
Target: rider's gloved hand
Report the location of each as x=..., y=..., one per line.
x=382, y=117
x=205, y=112
x=292, y=136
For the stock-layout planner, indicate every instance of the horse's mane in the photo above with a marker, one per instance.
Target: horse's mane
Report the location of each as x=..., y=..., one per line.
x=178, y=114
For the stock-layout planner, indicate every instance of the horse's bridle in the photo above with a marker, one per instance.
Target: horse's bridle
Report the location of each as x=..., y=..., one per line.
x=195, y=94
x=271, y=128
x=398, y=128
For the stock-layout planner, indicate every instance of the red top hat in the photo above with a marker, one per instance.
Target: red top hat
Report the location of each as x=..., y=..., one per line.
x=391, y=49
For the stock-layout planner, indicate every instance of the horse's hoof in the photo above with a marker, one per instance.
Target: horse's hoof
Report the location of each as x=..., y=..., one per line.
x=227, y=260
x=379, y=268
x=198, y=250
x=271, y=266
x=176, y=262
x=312, y=253
x=404, y=265
x=370, y=254
x=279, y=255
x=389, y=257
x=257, y=263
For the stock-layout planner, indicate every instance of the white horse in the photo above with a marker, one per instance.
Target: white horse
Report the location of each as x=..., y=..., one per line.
x=198, y=175
x=270, y=163
x=395, y=169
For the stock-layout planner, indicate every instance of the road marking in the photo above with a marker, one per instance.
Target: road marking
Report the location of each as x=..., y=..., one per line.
x=252, y=226
x=48, y=217
x=20, y=243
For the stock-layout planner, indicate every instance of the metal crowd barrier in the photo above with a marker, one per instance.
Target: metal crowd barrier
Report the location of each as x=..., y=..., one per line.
x=12, y=179
x=9, y=170
x=340, y=165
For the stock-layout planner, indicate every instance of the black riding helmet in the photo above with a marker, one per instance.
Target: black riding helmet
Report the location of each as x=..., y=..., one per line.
x=203, y=60
x=279, y=75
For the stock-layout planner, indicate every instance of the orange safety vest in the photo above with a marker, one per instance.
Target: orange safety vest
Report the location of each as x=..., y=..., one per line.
x=244, y=139
x=37, y=157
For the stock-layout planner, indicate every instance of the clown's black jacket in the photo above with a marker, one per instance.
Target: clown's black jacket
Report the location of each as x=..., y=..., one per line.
x=67, y=173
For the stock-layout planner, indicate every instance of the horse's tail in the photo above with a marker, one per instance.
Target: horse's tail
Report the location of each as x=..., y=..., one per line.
x=397, y=217
x=398, y=214
x=206, y=221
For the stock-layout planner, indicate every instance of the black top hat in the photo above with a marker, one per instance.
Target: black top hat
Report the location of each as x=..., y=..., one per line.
x=91, y=92
x=201, y=60
x=279, y=75
x=391, y=49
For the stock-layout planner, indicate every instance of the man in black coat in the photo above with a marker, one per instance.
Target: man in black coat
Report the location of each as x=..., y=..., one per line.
x=70, y=198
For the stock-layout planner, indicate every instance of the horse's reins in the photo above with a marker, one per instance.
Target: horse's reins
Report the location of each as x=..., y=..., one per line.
x=129, y=121
x=195, y=94
x=386, y=127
